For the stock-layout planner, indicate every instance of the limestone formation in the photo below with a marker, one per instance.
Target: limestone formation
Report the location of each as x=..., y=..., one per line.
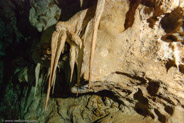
x=138, y=55
x=142, y=59
x=138, y=63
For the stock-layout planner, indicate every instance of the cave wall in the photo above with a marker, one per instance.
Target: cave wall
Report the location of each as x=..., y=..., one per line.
x=138, y=61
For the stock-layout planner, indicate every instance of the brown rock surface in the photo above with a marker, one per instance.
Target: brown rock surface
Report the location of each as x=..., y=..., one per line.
x=132, y=61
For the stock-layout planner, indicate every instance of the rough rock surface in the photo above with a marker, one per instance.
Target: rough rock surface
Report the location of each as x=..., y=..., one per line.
x=137, y=58
x=84, y=109
x=44, y=13
x=137, y=74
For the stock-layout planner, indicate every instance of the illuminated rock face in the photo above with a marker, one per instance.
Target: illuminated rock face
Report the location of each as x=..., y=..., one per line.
x=138, y=56
x=145, y=46
x=138, y=65
x=145, y=57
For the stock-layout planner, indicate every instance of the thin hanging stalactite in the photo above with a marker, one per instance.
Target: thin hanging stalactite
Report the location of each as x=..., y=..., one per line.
x=98, y=14
x=57, y=46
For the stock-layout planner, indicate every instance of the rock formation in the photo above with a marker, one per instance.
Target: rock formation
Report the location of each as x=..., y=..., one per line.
x=137, y=69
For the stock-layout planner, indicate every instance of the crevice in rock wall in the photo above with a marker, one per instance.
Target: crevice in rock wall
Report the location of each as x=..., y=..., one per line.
x=169, y=110
x=171, y=22
x=153, y=6
x=89, y=15
x=139, y=96
x=142, y=106
x=161, y=117
x=153, y=88
x=131, y=12
x=148, y=3
x=169, y=38
x=169, y=64
x=141, y=79
x=71, y=7
x=181, y=67
x=62, y=88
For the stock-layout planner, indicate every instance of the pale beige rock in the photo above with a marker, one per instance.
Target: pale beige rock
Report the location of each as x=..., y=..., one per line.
x=178, y=115
x=135, y=59
x=134, y=63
